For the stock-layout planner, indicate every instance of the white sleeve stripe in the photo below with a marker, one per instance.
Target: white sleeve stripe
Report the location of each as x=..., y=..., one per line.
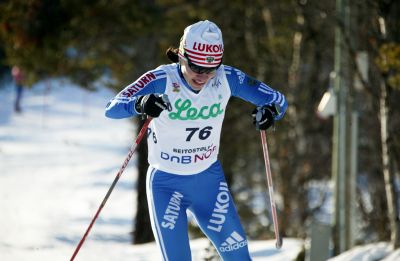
x=263, y=85
x=160, y=74
x=280, y=97
x=265, y=91
x=275, y=98
x=121, y=101
x=158, y=71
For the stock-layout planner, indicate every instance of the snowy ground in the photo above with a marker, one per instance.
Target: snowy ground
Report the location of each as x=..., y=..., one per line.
x=58, y=159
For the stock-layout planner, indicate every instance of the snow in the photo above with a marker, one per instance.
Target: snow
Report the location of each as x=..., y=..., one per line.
x=371, y=252
x=57, y=161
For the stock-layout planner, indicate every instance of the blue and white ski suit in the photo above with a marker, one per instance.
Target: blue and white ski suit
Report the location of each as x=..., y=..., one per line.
x=184, y=172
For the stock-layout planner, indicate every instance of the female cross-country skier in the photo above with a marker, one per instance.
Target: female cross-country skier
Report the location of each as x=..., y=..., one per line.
x=187, y=100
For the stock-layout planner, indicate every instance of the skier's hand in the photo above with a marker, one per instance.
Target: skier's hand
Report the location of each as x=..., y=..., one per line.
x=264, y=117
x=152, y=105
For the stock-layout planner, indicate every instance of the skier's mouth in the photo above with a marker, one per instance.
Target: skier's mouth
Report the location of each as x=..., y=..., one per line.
x=199, y=82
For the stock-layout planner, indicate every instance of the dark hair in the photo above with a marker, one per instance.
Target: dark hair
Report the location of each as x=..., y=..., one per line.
x=172, y=54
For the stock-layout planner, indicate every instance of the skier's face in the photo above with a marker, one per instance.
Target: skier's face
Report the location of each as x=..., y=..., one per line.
x=197, y=80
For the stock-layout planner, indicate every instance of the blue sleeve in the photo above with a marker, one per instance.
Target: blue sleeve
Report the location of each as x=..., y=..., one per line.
x=123, y=105
x=254, y=91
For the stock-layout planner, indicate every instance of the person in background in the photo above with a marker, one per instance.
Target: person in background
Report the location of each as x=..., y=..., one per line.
x=18, y=79
x=187, y=100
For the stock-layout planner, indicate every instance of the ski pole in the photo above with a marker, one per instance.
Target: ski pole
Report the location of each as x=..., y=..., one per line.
x=270, y=189
x=131, y=151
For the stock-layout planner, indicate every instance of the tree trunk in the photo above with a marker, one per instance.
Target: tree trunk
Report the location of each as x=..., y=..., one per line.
x=142, y=225
x=294, y=202
x=388, y=174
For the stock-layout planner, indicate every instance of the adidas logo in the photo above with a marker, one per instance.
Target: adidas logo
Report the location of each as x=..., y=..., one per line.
x=233, y=242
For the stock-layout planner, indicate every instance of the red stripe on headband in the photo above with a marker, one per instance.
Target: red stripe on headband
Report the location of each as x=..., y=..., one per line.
x=205, y=59
x=202, y=54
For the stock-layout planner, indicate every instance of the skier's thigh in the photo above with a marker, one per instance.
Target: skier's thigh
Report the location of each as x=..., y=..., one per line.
x=169, y=220
x=220, y=221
